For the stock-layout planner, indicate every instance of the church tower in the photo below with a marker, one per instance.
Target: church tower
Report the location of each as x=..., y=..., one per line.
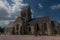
x=26, y=13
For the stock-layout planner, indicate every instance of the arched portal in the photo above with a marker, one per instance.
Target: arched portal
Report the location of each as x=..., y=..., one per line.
x=17, y=29
x=13, y=30
x=45, y=29
x=29, y=29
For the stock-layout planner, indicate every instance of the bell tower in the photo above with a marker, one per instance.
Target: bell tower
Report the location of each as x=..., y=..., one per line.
x=26, y=13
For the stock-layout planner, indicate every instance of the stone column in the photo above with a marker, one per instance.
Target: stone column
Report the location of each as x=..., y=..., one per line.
x=22, y=30
x=40, y=27
x=32, y=29
x=19, y=30
x=15, y=30
x=35, y=30
x=49, y=29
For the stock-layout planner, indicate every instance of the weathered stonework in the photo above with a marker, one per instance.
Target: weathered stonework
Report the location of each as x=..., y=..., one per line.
x=38, y=26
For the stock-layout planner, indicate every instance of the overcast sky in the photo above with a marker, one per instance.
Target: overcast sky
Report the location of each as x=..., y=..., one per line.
x=10, y=9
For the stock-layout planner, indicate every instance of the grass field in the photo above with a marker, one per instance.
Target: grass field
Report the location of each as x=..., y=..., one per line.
x=28, y=37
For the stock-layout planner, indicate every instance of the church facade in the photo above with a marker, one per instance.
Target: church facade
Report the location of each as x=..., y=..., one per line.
x=25, y=25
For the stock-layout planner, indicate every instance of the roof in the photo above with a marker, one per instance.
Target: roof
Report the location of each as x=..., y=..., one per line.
x=35, y=20
x=56, y=23
x=10, y=25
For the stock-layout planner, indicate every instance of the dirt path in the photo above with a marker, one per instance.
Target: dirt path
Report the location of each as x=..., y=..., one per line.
x=28, y=37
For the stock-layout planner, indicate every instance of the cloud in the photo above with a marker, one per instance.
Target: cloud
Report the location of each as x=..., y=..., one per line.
x=40, y=5
x=40, y=16
x=54, y=7
x=17, y=1
x=4, y=23
x=10, y=12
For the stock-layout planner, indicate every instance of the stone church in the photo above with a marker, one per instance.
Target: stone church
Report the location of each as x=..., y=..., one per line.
x=26, y=25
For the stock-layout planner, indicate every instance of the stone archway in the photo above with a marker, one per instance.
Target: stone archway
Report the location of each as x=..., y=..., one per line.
x=17, y=28
x=36, y=29
x=29, y=29
x=21, y=30
x=13, y=30
x=45, y=29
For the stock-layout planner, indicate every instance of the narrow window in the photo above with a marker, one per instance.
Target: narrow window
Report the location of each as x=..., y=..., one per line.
x=13, y=30
x=37, y=27
x=45, y=28
x=17, y=28
x=29, y=29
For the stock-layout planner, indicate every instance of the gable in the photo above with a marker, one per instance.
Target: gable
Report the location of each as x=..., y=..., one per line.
x=18, y=20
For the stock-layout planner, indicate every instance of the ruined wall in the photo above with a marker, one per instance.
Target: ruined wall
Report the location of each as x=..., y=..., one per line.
x=17, y=25
x=45, y=26
x=42, y=26
x=8, y=31
x=39, y=26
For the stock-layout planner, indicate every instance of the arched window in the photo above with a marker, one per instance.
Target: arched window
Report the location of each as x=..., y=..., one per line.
x=45, y=28
x=17, y=28
x=37, y=27
x=29, y=29
x=13, y=30
x=21, y=30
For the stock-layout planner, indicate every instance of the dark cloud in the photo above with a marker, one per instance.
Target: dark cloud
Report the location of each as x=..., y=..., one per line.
x=3, y=14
